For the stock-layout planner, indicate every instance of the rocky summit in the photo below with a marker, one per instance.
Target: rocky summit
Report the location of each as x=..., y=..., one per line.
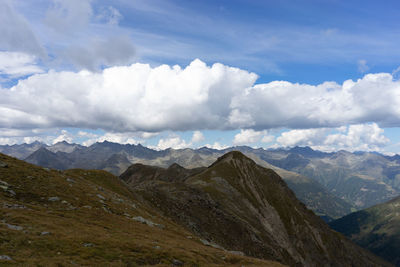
x=239, y=206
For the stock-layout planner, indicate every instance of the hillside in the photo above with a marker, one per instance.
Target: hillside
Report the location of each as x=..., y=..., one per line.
x=376, y=228
x=88, y=218
x=241, y=206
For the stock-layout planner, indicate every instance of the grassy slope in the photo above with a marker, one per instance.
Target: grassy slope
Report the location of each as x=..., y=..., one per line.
x=90, y=223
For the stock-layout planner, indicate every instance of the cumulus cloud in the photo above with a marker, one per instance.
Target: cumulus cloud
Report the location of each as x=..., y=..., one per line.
x=18, y=136
x=154, y=99
x=363, y=137
x=132, y=98
x=374, y=98
x=216, y=145
x=121, y=138
x=302, y=137
x=172, y=141
x=17, y=64
x=64, y=136
x=197, y=137
x=358, y=137
x=251, y=136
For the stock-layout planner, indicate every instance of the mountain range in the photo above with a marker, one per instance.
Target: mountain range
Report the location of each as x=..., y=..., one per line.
x=331, y=184
x=232, y=213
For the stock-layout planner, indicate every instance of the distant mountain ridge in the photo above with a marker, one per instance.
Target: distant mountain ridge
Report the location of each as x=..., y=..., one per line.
x=347, y=181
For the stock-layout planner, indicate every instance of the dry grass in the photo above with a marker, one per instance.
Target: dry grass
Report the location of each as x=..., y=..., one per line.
x=103, y=234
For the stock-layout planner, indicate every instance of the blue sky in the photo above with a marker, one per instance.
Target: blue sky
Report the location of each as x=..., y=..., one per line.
x=258, y=73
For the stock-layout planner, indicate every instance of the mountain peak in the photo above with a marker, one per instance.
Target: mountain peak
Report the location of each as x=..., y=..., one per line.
x=175, y=166
x=63, y=142
x=233, y=156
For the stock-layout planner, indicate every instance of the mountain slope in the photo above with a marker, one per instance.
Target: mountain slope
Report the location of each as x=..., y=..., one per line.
x=311, y=193
x=376, y=228
x=361, y=179
x=45, y=158
x=241, y=206
x=89, y=218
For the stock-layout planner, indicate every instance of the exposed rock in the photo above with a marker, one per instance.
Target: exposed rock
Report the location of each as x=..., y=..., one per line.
x=146, y=221
x=88, y=245
x=13, y=206
x=3, y=164
x=239, y=253
x=4, y=185
x=11, y=192
x=45, y=233
x=176, y=262
x=210, y=244
x=5, y=258
x=54, y=199
x=101, y=197
x=14, y=227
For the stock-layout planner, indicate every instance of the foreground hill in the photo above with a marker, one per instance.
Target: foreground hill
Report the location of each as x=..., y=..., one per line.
x=241, y=206
x=376, y=228
x=88, y=218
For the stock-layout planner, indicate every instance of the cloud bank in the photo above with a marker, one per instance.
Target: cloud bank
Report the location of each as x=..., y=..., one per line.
x=198, y=97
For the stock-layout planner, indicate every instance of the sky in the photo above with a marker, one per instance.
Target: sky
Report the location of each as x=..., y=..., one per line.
x=211, y=73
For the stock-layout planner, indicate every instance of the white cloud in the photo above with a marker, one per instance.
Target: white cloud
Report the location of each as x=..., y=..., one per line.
x=363, y=137
x=147, y=135
x=250, y=136
x=197, y=137
x=216, y=145
x=172, y=141
x=268, y=139
x=374, y=98
x=132, y=98
x=359, y=137
x=362, y=66
x=121, y=138
x=64, y=136
x=304, y=137
x=16, y=64
x=141, y=98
